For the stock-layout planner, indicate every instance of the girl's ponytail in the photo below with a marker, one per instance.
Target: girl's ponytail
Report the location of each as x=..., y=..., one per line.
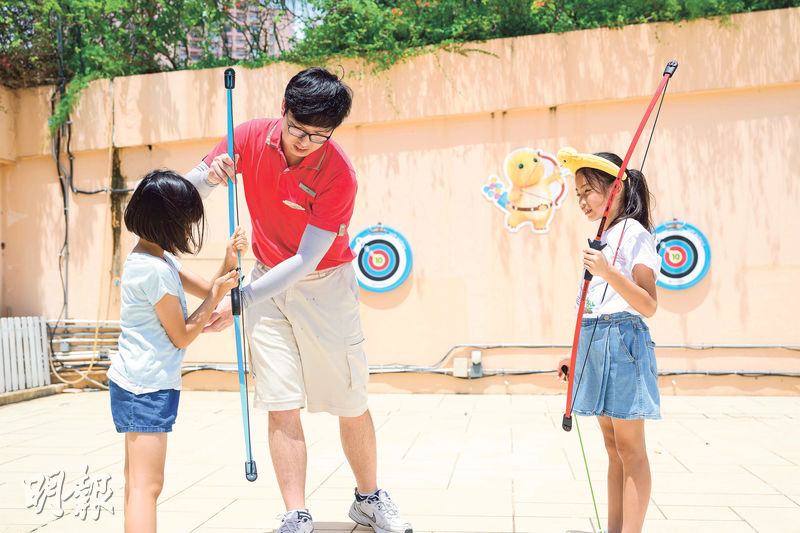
x=637, y=199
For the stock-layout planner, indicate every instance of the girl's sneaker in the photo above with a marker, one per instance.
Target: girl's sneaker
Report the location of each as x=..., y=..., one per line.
x=295, y=522
x=379, y=512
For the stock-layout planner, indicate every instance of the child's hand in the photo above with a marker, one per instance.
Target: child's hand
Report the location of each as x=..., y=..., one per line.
x=237, y=243
x=595, y=262
x=561, y=364
x=225, y=283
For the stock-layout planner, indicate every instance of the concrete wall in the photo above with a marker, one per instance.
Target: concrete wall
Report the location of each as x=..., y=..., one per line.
x=424, y=138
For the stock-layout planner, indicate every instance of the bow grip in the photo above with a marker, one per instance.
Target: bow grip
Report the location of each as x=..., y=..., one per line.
x=594, y=245
x=236, y=301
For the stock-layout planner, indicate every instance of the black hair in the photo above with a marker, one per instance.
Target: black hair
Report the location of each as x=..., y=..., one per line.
x=167, y=210
x=318, y=98
x=635, y=193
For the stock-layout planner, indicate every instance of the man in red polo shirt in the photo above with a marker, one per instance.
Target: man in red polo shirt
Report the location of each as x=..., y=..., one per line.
x=303, y=322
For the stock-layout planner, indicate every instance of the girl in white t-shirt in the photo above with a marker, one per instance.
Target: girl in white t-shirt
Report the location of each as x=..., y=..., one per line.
x=166, y=213
x=616, y=375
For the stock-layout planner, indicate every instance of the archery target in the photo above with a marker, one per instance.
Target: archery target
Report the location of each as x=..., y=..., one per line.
x=685, y=255
x=383, y=258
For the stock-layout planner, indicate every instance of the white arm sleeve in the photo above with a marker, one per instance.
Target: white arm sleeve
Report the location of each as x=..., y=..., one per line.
x=198, y=177
x=313, y=246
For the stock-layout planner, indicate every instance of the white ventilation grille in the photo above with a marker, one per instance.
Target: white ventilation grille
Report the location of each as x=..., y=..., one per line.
x=24, y=355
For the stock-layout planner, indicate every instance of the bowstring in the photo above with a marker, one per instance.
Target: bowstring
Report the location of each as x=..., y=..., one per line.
x=246, y=345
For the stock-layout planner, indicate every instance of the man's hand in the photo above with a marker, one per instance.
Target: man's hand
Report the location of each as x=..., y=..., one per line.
x=221, y=169
x=221, y=317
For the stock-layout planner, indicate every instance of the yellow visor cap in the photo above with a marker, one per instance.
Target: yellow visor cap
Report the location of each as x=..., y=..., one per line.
x=570, y=158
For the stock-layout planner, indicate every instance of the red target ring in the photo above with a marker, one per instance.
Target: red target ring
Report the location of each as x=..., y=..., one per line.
x=378, y=259
x=675, y=257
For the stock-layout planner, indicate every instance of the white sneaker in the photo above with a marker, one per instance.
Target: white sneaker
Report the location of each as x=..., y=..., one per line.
x=295, y=522
x=379, y=512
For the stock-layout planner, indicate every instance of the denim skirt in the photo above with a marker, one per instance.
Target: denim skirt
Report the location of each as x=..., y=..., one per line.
x=151, y=412
x=616, y=373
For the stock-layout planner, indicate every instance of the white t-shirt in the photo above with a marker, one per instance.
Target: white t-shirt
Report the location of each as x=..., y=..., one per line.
x=638, y=247
x=147, y=360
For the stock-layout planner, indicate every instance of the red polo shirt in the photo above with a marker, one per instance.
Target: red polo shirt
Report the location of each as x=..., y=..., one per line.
x=283, y=200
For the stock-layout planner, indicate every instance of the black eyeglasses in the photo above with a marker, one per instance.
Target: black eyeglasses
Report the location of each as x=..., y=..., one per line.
x=313, y=137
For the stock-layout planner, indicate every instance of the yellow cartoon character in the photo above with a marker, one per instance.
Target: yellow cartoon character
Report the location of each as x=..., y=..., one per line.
x=531, y=173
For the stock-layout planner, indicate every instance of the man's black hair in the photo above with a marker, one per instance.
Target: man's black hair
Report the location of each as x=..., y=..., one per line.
x=167, y=210
x=318, y=98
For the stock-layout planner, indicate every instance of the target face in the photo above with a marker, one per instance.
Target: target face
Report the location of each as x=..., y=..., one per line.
x=383, y=258
x=685, y=255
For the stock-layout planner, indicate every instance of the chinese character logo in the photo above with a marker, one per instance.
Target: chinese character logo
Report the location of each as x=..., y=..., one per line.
x=90, y=494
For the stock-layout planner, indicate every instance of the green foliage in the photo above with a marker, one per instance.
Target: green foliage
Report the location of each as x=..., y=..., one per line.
x=382, y=33
x=26, y=51
x=99, y=38
x=68, y=43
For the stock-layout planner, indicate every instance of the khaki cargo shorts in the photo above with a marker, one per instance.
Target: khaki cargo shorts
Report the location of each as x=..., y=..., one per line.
x=307, y=347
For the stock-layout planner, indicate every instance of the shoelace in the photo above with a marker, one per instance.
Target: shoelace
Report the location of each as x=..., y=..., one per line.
x=384, y=503
x=292, y=526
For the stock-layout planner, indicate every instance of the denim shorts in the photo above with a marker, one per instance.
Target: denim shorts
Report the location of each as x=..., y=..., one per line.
x=620, y=377
x=151, y=412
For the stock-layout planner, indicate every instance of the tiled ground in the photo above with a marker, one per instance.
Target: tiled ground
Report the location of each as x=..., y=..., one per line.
x=453, y=463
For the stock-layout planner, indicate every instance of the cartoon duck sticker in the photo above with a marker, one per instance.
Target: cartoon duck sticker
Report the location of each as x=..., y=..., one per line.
x=536, y=190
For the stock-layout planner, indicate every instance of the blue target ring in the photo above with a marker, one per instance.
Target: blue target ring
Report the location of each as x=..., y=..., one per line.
x=383, y=258
x=685, y=255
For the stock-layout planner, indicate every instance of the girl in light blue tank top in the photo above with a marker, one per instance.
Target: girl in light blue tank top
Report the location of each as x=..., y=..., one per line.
x=166, y=213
